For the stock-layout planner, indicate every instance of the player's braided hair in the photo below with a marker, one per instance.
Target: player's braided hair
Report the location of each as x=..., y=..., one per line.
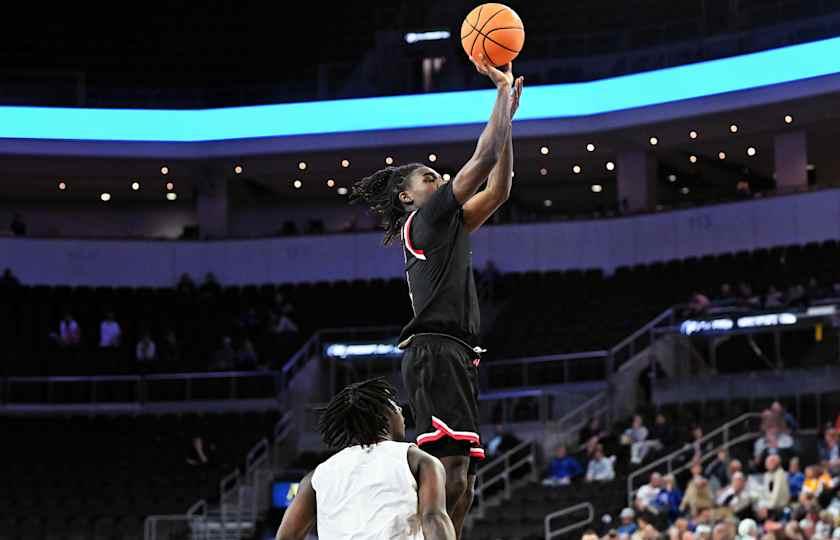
x=380, y=191
x=358, y=414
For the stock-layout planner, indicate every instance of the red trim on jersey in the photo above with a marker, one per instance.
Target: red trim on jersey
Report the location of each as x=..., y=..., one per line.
x=407, y=238
x=442, y=430
x=477, y=453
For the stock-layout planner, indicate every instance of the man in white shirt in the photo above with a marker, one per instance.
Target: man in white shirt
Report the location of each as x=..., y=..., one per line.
x=374, y=487
x=646, y=496
x=110, y=333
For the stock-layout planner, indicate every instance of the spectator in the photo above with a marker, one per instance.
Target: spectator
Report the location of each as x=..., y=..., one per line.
x=735, y=497
x=661, y=432
x=696, y=446
x=146, y=350
x=563, y=469
x=717, y=471
x=773, y=442
x=747, y=530
x=589, y=534
x=816, y=479
x=503, y=441
x=698, y=496
x=69, y=334
x=829, y=451
x=775, y=491
x=786, y=420
x=18, y=227
x=600, y=467
x=745, y=296
x=110, y=333
x=591, y=435
x=186, y=285
x=628, y=524
x=170, y=356
x=669, y=498
x=727, y=297
x=773, y=298
x=8, y=280
x=795, y=478
x=648, y=493
x=246, y=358
x=698, y=304
x=636, y=436
x=224, y=358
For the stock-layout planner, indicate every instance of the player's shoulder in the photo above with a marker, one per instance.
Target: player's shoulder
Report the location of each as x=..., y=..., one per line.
x=418, y=458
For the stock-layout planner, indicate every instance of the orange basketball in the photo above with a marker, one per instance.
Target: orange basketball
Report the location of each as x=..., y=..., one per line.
x=494, y=30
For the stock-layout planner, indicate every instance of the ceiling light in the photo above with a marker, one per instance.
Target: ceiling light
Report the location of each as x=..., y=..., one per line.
x=105, y=197
x=62, y=186
x=135, y=186
x=446, y=177
x=751, y=151
x=170, y=186
x=654, y=141
x=590, y=147
x=330, y=183
x=389, y=160
x=672, y=177
x=238, y=169
x=547, y=203
x=733, y=128
x=692, y=134
x=432, y=158
x=298, y=184
x=610, y=166
x=692, y=158
x=788, y=119
x=684, y=190
x=342, y=191
x=597, y=188
x=164, y=170
x=721, y=155
x=543, y=171
x=302, y=165
x=345, y=163
x=171, y=196
x=576, y=169
x=544, y=150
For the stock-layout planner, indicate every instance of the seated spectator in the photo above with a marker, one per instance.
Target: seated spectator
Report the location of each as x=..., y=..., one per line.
x=600, y=467
x=246, y=358
x=110, y=333
x=69, y=333
x=698, y=304
x=727, y=297
x=816, y=479
x=223, y=359
x=747, y=530
x=146, y=350
x=698, y=496
x=661, y=432
x=735, y=497
x=829, y=451
x=8, y=280
x=669, y=498
x=773, y=298
x=562, y=469
x=795, y=478
x=592, y=435
x=717, y=471
x=787, y=421
x=745, y=296
x=628, y=524
x=589, y=534
x=636, y=436
x=697, y=446
x=774, y=442
x=775, y=490
x=503, y=441
x=648, y=493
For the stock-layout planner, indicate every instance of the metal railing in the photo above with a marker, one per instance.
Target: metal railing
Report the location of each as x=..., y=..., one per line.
x=725, y=434
x=638, y=340
x=574, y=367
x=590, y=515
x=500, y=471
x=190, y=525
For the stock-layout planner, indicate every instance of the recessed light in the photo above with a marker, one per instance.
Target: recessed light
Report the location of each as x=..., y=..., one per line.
x=547, y=203
x=684, y=190
x=389, y=160
x=693, y=134
x=62, y=186
x=345, y=163
x=590, y=147
x=342, y=191
x=171, y=196
x=672, y=177
x=544, y=150
x=576, y=169
x=164, y=170
x=135, y=186
x=298, y=184
x=432, y=157
x=446, y=177
x=733, y=128
x=170, y=186
x=597, y=188
x=610, y=166
x=238, y=169
x=788, y=119
x=751, y=151
x=653, y=141
x=543, y=171
x=105, y=197
x=721, y=155
x=692, y=158
x=302, y=165
x=330, y=183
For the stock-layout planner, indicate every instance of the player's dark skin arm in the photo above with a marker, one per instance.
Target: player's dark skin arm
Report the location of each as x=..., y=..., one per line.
x=491, y=144
x=300, y=516
x=431, y=495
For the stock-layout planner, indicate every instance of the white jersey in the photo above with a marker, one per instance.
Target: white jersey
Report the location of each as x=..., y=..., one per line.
x=367, y=494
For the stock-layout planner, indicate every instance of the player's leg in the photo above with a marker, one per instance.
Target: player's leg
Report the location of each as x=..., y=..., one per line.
x=462, y=507
x=457, y=489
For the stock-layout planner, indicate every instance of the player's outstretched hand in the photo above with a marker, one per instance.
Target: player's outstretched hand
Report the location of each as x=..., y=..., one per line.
x=502, y=79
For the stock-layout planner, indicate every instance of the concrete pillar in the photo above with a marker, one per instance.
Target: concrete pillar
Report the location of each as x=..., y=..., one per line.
x=791, y=155
x=212, y=204
x=637, y=178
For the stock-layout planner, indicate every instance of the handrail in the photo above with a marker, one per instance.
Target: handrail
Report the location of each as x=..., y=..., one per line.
x=137, y=378
x=482, y=483
x=552, y=358
x=723, y=429
x=549, y=534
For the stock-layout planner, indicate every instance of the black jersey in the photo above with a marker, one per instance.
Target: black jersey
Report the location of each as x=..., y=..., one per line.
x=438, y=268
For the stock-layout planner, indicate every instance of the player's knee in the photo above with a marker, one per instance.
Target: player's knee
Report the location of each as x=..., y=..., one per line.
x=456, y=488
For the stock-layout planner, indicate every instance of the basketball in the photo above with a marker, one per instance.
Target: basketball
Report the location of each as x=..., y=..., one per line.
x=494, y=30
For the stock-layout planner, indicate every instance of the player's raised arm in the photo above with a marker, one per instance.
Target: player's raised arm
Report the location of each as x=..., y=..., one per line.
x=431, y=495
x=482, y=205
x=300, y=516
x=492, y=142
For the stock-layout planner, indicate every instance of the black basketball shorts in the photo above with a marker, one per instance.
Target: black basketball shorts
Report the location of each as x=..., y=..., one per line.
x=440, y=374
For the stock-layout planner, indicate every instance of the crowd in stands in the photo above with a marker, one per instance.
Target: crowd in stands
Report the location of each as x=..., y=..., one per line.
x=797, y=294
x=765, y=494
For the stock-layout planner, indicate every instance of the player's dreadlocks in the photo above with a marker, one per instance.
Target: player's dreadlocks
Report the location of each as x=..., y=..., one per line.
x=358, y=414
x=380, y=191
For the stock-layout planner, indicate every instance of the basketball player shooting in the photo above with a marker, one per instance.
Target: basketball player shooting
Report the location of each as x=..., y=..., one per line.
x=376, y=487
x=433, y=219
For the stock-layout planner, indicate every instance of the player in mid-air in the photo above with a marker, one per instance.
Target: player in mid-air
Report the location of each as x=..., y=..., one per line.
x=376, y=487
x=433, y=219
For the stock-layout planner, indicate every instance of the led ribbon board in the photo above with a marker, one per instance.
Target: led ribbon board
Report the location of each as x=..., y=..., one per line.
x=786, y=64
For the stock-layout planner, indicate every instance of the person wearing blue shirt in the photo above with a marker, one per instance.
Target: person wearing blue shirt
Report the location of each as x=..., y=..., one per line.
x=628, y=523
x=795, y=478
x=669, y=498
x=562, y=469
